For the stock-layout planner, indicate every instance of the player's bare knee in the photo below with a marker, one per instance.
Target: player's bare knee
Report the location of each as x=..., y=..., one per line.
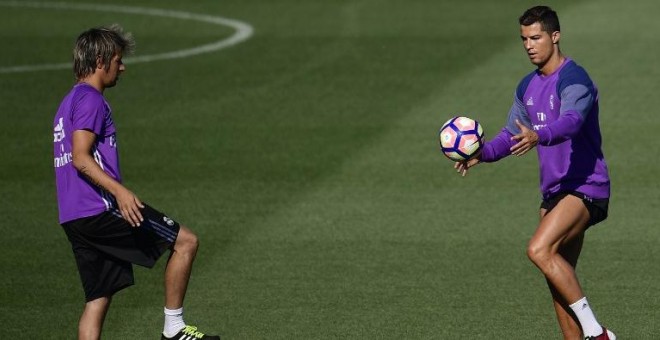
x=187, y=242
x=538, y=253
x=98, y=305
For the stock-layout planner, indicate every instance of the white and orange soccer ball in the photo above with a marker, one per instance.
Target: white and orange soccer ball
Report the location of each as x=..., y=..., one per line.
x=461, y=138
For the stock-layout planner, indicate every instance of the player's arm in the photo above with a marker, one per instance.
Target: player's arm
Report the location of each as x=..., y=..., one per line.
x=521, y=137
x=516, y=138
x=129, y=205
x=493, y=150
x=576, y=102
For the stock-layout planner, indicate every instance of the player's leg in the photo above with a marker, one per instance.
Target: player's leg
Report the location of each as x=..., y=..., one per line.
x=91, y=320
x=158, y=234
x=564, y=223
x=568, y=322
x=179, y=267
x=177, y=275
x=167, y=234
x=101, y=272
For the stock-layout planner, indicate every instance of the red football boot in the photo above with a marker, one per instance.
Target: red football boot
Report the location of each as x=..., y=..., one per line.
x=606, y=335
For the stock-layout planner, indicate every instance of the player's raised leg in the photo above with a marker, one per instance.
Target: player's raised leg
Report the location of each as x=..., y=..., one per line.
x=92, y=318
x=568, y=322
x=179, y=267
x=566, y=222
x=177, y=275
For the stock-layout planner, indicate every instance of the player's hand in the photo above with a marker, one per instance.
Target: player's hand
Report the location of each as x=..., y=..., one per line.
x=527, y=140
x=462, y=167
x=129, y=206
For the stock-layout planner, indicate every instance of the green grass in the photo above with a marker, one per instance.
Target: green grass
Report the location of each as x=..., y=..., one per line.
x=305, y=159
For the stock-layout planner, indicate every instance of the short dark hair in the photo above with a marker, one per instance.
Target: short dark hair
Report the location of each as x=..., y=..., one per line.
x=541, y=14
x=100, y=42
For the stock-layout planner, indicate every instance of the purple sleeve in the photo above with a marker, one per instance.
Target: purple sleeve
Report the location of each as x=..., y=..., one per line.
x=88, y=113
x=517, y=112
x=562, y=129
x=498, y=147
x=576, y=102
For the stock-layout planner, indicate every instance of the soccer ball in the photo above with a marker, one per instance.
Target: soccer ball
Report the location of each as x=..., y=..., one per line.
x=461, y=138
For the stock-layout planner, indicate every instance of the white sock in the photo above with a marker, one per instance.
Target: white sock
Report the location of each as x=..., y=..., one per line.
x=590, y=326
x=173, y=322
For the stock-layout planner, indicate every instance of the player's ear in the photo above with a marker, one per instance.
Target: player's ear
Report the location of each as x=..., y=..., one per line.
x=555, y=37
x=99, y=62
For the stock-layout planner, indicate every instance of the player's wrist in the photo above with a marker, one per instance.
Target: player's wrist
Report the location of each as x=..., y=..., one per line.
x=543, y=136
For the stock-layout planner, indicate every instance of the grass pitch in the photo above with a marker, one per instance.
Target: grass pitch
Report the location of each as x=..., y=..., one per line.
x=305, y=158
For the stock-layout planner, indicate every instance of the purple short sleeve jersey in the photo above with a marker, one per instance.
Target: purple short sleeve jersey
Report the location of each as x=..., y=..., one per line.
x=83, y=108
x=563, y=110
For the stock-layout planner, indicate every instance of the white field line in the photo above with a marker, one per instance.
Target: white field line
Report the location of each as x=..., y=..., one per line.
x=243, y=31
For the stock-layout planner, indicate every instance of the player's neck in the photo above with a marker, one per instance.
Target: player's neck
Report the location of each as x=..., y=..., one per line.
x=93, y=82
x=552, y=64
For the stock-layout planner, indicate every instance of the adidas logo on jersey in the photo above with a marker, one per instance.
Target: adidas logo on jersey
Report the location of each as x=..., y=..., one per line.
x=530, y=101
x=58, y=131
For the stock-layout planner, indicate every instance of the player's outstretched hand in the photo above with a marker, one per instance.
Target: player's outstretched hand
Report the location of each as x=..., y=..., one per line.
x=527, y=140
x=462, y=167
x=129, y=206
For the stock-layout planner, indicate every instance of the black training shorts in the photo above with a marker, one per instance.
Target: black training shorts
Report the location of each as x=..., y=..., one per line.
x=597, y=207
x=105, y=246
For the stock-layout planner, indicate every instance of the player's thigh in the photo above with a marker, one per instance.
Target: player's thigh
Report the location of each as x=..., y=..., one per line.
x=570, y=250
x=563, y=224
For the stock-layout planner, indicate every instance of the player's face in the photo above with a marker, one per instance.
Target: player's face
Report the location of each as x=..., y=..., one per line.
x=116, y=67
x=539, y=44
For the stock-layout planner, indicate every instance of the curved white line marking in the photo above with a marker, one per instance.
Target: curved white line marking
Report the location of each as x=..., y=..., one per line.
x=243, y=31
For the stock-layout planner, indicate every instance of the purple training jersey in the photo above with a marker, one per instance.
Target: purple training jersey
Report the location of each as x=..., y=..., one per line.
x=84, y=108
x=563, y=110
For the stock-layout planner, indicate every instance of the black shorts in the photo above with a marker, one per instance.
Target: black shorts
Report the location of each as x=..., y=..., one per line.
x=105, y=246
x=597, y=207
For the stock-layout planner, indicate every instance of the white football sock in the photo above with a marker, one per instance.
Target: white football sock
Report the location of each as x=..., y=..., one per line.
x=173, y=322
x=590, y=326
